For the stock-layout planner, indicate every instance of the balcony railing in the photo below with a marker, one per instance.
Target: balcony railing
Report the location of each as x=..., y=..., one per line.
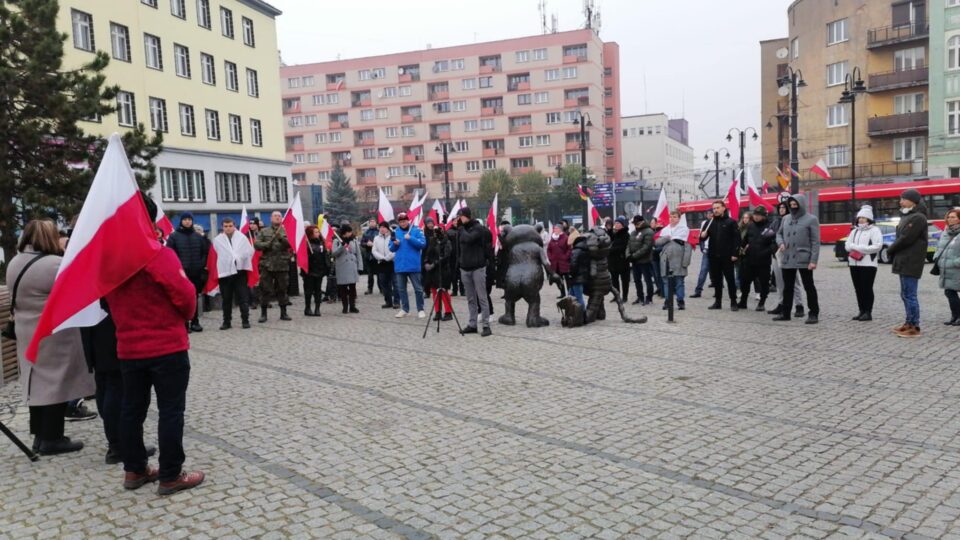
x=437, y=175
x=364, y=141
x=292, y=108
x=439, y=94
x=412, y=158
x=867, y=171
x=409, y=77
x=895, y=35
x=333, y=86
x=896, y=124
x=517, y=171
x=574, y=59
x=345, y=162
x=486, y=69
x=894, y=80
x=440, y=136
x=297, y=147
x=573, y=145
x=491, y=111
x=362, y=102
x=581, y=101
x=338, y=124
x=492, y=152
x=517, y=86
x=522, y=128
x=410, y=118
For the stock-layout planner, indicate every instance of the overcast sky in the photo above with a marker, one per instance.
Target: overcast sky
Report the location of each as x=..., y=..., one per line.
x=694, y=58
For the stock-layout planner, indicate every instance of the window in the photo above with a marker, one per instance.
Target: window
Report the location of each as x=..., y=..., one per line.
x=273, y=189
x=953, y=53
x=570, y=72
x=953, y=118
x=486, y=82
x=795, y=48
x=230, y=70
x=320, y=138
x=208, y=69
x=182, y=185
x=178, y=8
x=311, y=119
x=441, y=65
x=442, y=106
x=554, y=160
x=539, y=54
x=553, y=118
x=335, y=136
x=366, y=115
x=248, y=38
x=908, y=103
x=383, y=153
x=524, y=99
x=226, y=22
x=213, y=125
x=953, y=3
x=293, y=82
x=333, y=99
x=323, y=175
x=457, y=64
x=308, y=81
x=203, y=14
x=571, y=159
x=909, y=149
x=381, y=114
x=837, y=156
x=473, y=166
x=181, y=60
x=378, y=73
x=461, y=146
x=552, y=74
x=390, y=92
x=253, y=83
x=232, y=187
x=526, y=141
x=460, y=105
x=570, y=117
x=152, y=51
x=158, y=114
x=836, y=115
x=837, y=32
x=120, y=41
x=126, y=109
x=392, y=132
x=469, y=84
x=541, y=97
x=408, y=131
x=489, y=164
x=470, y=125
x=486, y=124
x=836, y=73
x=151, y=3
x=82, y=30
x=369, y=153
x=393, y=171
x=523, y=56
x=543, y=140
x=907, y=59
x=299, y=158
x=404, y=91
x=363, y=74
x=188, y=125
x=463, y=187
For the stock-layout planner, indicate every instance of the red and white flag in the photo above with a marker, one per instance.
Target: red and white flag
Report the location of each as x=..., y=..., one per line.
x=752, y=192
x=452, y=216
x=295, y=226
x=244, y=221
x=733, y=198
x=212, y=286
x=593, y=216
x=437, y=212
x=162, y=222
x=416, y=209
x=492, y=223
x=662, y=211
x=821, y=170
x=326, y=232
x=114, y=238
x=384, y=208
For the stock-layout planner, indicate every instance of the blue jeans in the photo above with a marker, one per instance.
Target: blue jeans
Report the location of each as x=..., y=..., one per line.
x=401, y=289
x=576, y=291
x=908, y=293
x=704, y=273
x=169, y=376
x=675, y=286
x=385, y=282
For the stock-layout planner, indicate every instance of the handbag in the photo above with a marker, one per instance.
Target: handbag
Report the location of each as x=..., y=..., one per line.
x=935, y=270
x=855, y=255
x=9, y=330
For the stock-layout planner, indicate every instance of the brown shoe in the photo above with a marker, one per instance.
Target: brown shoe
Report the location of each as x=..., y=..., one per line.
x=909, y=331
x=900, y=328
x=184, y=481
x=132, y=480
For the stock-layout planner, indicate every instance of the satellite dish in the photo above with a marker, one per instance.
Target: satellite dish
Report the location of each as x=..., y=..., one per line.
x=783, y=91
x=783, y=52
x=400, y=71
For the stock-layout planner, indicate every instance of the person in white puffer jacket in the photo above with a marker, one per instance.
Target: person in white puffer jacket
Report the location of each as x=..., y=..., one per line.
x=863, y=248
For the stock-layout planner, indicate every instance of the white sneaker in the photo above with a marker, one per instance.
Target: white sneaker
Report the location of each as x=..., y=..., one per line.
x=401, y=314
x=421, y=315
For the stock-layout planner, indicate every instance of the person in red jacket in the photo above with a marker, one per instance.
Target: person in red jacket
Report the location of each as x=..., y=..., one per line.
x=558, y=253
x=149, y=311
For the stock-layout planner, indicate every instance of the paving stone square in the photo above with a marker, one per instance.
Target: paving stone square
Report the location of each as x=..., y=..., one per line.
x=720, y=425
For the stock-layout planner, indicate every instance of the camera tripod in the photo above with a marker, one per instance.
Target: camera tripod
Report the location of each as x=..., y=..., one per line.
x=23, y=448
x=436, y=302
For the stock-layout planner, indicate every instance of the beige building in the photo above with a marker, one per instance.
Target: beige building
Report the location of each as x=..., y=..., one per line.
x=658, y=148
x=827, y=40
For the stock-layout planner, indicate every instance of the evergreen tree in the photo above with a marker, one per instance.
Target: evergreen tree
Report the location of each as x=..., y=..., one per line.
x=533, y=191
x=341, y=198
x=493, y=182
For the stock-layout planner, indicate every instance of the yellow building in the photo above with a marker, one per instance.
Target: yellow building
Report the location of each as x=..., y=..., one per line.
x=828, y=39
x=203, y=72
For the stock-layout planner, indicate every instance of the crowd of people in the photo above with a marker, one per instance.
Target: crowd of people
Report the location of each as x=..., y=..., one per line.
x=143, y=341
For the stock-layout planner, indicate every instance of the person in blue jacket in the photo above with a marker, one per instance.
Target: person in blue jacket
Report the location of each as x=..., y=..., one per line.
x=408, y=242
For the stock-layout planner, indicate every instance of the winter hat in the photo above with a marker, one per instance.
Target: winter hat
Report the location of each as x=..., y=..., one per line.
x=465, y=212
x=638, y=218
x=255, y=220
x=622, y=221
x=760, y=211
x=866, y=211
x=911, y=195
x=402, y=216
x=383, y=224
x=186, y=215
x=344, y=229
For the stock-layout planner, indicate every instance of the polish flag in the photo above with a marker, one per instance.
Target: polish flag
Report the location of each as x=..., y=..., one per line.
x=662, y=212
x=592, y=215
x=416, y=210
x=162, y=222
x=437, y=212
x=295, y=226
x=244, y=221
x=821, y=170
x=212, y=286
x=733, y=198
x=755, y=198
x=326, y=231
x=114, y=239
x=452, y=216
x=384, y=208
x=253, y=276
x=492, y=224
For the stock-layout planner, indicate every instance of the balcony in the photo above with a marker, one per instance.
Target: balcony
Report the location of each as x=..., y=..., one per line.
x=339, y=124
x=897, y=124
x=517, y=171
x=518, y=86
x=292, y=108
x=572, y=145
x=410, y=118
x=345, y=162
x=582, y=101
x=409, y=77
x=574, y=59
x=522, y=128
x=437, y=175
x=335, y=86
x=490, y=68
x=440, y=136
x=895, y=80
x=867, y=171
x=491, y=111
x=896, y=35
x=412, y=158
x=365, y=141
x=492, y=152
x=298, y=147
x=361, y=102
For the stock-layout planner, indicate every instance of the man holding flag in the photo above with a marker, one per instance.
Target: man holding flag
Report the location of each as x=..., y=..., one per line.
x=234, y=262
x=275, y=266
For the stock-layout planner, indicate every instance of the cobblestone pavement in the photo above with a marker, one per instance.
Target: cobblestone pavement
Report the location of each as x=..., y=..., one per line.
x=720, y=425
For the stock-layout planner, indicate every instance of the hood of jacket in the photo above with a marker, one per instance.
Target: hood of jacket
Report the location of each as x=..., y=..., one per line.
x=801, y=202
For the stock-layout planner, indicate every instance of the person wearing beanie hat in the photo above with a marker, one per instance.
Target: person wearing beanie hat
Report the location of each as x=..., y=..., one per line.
x=407, y=245
x=909, y=253
x=348, y=264
x=366, y=247
x=466, y=212
x=475, y=245
x=640, y=254
x=863, y=246
x=435, y=257
x=274, y=246
x=192, y=249
x=757, y=255
x=617, y=261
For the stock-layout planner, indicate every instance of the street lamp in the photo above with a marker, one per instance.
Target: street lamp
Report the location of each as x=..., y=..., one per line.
x=743, y=145
x=795, y=79
x=583, y=120
x=853, y=85
x=716, y=167
x=419, y=184
x=781, y=121
x=638, y=172
x=446, y=147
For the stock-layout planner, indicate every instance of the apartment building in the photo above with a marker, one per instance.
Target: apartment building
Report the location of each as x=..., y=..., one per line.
x=202, y=72
x=658, y=147
x=944, y=145
x=511, y=104
x=830, y=40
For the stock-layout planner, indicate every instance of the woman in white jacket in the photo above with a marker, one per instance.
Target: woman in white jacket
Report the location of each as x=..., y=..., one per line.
x=863, y=247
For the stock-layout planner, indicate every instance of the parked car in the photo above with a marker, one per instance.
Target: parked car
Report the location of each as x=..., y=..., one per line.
x=889, y=230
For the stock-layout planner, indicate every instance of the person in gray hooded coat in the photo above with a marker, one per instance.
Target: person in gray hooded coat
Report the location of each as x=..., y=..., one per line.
x=799, y=246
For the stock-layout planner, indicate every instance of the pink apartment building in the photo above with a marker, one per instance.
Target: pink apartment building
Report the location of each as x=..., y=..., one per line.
x=508, y=104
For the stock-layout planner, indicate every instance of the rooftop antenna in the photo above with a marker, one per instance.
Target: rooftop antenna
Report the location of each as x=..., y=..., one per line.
x=554, y=23
x=542, y=9
x=588, y=13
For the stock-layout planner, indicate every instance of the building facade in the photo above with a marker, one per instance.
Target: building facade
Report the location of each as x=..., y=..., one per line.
x=202, y=72
x=658, y=148
x=944, y=145
x=887, y=42
x=507, y=104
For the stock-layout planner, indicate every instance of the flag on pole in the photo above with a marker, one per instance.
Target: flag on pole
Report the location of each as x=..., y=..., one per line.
x=212, y=286
x=326, y=231
x=733, y=198
x=584, y=193
x=821, y=170
x=244, y=221
x=453, y=214
x=416, y=209
x=755, y=198
x=782, y=179
x=113, y=216
x=662, y=212
x=162, y=222
x=592, y=214
x=794, y=172
x=253, y=276
x=384, y=208
x=492, y=224
x=295, y=226
x=765, y=188
x=437, y=212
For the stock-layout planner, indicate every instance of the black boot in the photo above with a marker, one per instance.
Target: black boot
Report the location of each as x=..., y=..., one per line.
x=283, y=314
x=306, y=306
x=353, y=307
x=743, y=302
x=867, y=316
x=316, y=308
x=715, y=305
x=777, y=310
x=263, y=314
x=760, y=306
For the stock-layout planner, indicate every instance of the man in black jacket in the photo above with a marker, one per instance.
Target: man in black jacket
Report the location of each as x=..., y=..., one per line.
x=192, y=249
x=758, y=247
x=909, y=252
x=474, y=241
x=724, y=247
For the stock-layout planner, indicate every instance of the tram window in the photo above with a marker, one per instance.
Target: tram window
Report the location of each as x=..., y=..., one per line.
x=938, y=205
x=834, y=212
x=886, y=208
